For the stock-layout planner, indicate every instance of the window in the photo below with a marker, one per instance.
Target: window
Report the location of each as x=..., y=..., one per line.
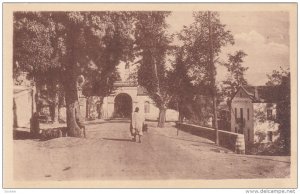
x=241, y=114
x=147, y=107
x=248, y=113
x=241, y=94
x=269, y=114
x=235, y=113
x=235, y=129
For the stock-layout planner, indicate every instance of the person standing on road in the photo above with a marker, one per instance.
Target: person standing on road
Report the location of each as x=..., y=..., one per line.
x=137, y=122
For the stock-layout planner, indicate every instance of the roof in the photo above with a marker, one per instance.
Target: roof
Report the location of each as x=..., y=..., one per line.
x=268, y=94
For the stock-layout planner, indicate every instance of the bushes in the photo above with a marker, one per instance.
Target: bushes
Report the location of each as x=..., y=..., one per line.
x=271, y=148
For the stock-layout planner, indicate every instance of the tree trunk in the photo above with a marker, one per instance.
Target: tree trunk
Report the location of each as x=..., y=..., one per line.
x=213, y=79
x=180, y=117
x=55, y=109
x=74, y=125
x=87, y=108
x=59, y=114
x=15, y=124
x=180, y=113
x=162, y=117
x=215, y=120
x=72, y=108
x=37, y=96
x=61, y=104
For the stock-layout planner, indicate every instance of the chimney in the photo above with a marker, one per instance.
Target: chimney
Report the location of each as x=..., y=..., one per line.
x=256, y=93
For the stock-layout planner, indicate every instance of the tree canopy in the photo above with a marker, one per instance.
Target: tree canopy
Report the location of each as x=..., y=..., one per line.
x=63, y=45
x=196, y=43
x=152, y=45
x=282, y=80
x=235, y=74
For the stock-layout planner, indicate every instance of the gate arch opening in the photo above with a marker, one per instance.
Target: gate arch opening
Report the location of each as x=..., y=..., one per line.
x=123, y=106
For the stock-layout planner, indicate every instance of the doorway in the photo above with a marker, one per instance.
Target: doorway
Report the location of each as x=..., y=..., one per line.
x=123, y=106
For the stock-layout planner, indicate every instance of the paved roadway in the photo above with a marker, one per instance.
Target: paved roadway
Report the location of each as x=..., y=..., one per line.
x=108, y=154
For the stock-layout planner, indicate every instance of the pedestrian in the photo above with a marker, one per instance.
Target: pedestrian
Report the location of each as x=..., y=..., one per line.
x=81, y=125
x=137, y=122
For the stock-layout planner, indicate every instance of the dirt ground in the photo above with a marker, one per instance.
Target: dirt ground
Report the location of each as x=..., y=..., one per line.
x=109, y=154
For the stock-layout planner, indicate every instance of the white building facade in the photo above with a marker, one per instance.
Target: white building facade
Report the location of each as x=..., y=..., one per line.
x=253, y=113
x=126, y=97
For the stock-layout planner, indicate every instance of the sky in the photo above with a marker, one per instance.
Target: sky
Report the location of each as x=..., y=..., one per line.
x=263, y=36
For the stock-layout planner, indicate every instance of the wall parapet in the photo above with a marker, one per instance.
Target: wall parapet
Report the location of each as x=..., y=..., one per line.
x=226, y=139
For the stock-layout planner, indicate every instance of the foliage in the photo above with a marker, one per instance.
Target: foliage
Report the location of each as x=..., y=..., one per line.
x=261, y=135
x=187, y=98
x=46, y=43
x=62, y=45
x=196, y=46
x=152, y=45
x=235, y=76
x=281, y=80
x=269, y=149
x=277, y=77
x=202, y=43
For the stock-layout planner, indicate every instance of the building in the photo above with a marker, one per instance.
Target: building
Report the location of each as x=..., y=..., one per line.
x=126, y=97
x=23, y=101
x=253, y=113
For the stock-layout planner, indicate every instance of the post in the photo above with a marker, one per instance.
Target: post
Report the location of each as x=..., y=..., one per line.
x=212, y=73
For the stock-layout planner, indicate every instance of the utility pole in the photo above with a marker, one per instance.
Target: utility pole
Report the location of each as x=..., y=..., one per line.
x=213, y=78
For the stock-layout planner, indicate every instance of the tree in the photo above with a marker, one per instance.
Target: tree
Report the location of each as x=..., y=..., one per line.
x=277, y=77
x=98, y=83
x=180, y=86
x=282, y=81
x=67, y=42
x=236, y=74
x=202, y=41
x=34, y=50
x=152, y=45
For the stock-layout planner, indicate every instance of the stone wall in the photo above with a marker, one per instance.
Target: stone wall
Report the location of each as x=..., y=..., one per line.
x=226, y=139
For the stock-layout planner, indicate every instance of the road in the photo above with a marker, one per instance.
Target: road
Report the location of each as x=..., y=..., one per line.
x=108, y=154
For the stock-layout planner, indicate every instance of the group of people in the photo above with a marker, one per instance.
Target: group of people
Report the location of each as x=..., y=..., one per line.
x=137, y=125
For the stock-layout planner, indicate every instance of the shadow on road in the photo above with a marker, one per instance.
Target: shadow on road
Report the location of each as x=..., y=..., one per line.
x=115, y=139
x=117, y=120
x=107, y=121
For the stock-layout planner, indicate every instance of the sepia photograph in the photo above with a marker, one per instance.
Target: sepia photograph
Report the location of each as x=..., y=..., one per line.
x=150, y=95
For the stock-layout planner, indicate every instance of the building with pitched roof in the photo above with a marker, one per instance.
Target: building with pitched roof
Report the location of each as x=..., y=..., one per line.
x=253, y=112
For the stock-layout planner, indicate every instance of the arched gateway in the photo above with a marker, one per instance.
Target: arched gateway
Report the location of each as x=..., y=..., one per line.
x=125, y=97
x=122, y=106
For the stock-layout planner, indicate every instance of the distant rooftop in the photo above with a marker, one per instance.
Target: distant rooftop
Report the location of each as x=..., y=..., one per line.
x=263, y=93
